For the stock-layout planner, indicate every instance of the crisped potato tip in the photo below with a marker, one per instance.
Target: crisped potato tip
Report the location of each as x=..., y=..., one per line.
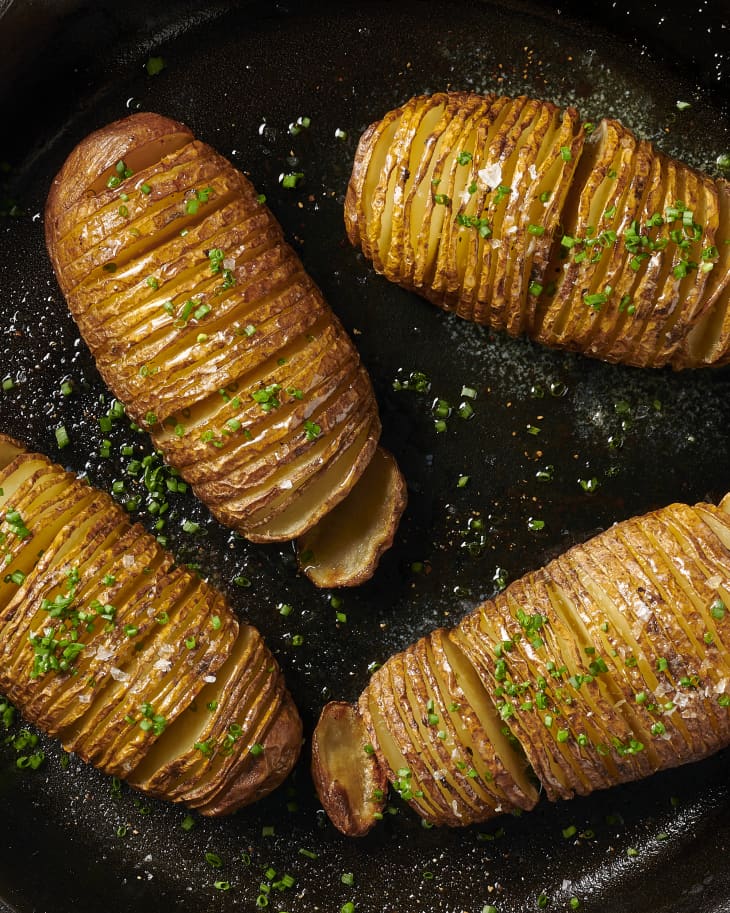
x=515, y=214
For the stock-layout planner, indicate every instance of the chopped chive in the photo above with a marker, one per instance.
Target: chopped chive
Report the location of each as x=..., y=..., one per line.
x=62, y=438
x=155, y=65
x=291, y=180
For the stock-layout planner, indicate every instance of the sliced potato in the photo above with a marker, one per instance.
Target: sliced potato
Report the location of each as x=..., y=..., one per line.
x=608, y=664
x=183, y=287
x=513, y=214
x=107, y=646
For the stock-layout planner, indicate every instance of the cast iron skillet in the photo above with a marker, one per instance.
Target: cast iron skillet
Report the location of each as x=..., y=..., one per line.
x=239, y=74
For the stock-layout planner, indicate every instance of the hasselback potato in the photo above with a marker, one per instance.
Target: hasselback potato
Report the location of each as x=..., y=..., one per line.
x=205, y=325
x=513, y=213
x=136, y=665
x=610, y=663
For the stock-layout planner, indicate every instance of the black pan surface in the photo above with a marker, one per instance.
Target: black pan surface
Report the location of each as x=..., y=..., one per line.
x=239, y=75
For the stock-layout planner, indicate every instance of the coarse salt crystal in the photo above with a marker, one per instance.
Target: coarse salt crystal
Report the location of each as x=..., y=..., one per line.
x=104, y=653
x=229, y=263
x=84, y=698
x=128, y=560
x=464, y=197
x=491, y=175
x=209, y=679
x=532, y=171
x=714, y=582
x=119, y=675
x=162, y=665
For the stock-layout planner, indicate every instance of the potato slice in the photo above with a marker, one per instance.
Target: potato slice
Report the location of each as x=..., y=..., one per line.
x=606, y=665
x=511, y=213
x=327, y=552
x=182, y=285
x=350, y=780
x=106, y=644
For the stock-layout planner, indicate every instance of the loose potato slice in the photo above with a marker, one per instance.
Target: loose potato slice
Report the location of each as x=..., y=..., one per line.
x=608, y=664
x=350, y=780
x=326, y=550
x=513, y=214
x=183, y=286
x=107, y=645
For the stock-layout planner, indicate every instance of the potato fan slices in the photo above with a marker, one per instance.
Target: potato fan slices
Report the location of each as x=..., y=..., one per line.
x=513, y=213
x=204, y=324
x=608, y=664
x=136, y=665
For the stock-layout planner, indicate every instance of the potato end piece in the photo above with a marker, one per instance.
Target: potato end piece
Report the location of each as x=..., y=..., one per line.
x=344, y=548
x=350, y=783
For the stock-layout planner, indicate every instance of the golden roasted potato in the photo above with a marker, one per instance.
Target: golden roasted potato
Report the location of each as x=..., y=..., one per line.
x=204, y=324
x=136, y=665
x=514, y=214
x=608, y=664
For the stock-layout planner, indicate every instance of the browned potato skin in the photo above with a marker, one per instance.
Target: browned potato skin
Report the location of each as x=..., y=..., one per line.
x=51, y=701
x=127, y=268
x=626, y=638
x=632, y=299
x=353, y=811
